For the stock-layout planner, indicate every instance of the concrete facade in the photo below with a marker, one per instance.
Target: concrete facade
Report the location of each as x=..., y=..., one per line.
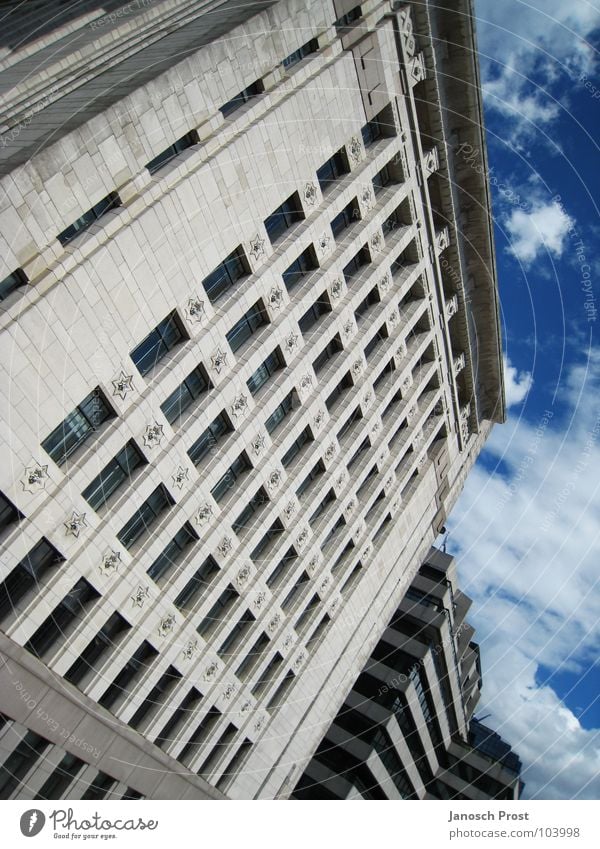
x=349, y=448
x=407, y=728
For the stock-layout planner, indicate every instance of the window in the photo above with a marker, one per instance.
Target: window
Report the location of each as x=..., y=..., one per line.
x=172, y=553
x=253, y=90
x=187, y=707
x=133, y=670
x=248, y=324
x=381, y=334
x=268, y=676
x=210, y=438
x=21, y=760
x=300, y=584
x=333, y=398
x=283, y=217
x=382, y=179
x=113, y=476
x=239, y=467
x=26, y=577
x=335, y=167
x=157, y=696
x=167, y=155
x=270, y=537
x=322, y=506
x=330, y=350
x=78, y=426
x=194, y=385
x=208, y=769
x=111, y=201
x=8, y=512
x=345, y=218
x=317, y=469
x=305, y=437
x=196, y=587
x=218, y=612
x=65, y=615
x=310, y=47
x=282, y=411
x=236, y=636
x=364, y=446
x=157, y=344
x=284, y=566
x=253, y=658
x=56, y=785
x=310, y=608
x=250, y=510
x=355, y=416
x=196, y=741
x=226, y=275
x=15, y=280
x=145, y=516
x=365, y=305
x=357, y=262
x=320, y=308
x=381, y=126
x=306, y=262
x=89, y=660
x=260, y=377
x=349, y=18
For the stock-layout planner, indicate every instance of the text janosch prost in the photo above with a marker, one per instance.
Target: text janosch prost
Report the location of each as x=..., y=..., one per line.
x=489, y=815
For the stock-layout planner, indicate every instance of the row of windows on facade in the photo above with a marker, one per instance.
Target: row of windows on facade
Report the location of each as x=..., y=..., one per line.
x=236, y=266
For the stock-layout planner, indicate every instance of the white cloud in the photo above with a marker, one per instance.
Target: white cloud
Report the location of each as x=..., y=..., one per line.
x=525, y=46
x=544, y=228
x=528, y=543
x=516, y=384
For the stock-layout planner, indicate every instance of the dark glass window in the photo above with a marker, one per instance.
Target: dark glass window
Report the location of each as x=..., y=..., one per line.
x=8, y=512
x=111, y=201
x=157, y=696
x=382, y=179
x=236, y=636
x=225, y=275
x=321, y=507
x=312, y=315
x=382, y=333
x=272, y=534
x=271, y=365
x=218, y=612
x=13, y=281
x=357, y=262
x=310, y=47
x=197, y=585
x=349, y=18
x=250, y=510
x=55, y=786
x=317, y=470
x=254, y=657
x=78, y=426
x=183, y=712
x=364, y=446
x=167, y=155
x=195, y=384
x=281, y=412
x=294, y=274
x=113, y=475
x=172, y=553
x=133, y=670
x=284, y=566
x=239, y=467
x=365, y=305
x=335, y=167
x=344, y=384
x=198, y=738
x=268, y=675
x=300, y=584
x=145, y=516
x=72, y=608
x=381, y=126
x=349, y=214
x=100, y=786
x=21, y=760
x=209, y=439
x=244, y=96
x=165, y=336
x=283, y=217
x=330, y=350
x=26, y=576
x=296, y=446
x=248, y=324
x=90, y=658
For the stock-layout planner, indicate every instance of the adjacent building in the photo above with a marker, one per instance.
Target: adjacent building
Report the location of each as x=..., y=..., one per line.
x=407, y=728
x=250, y=351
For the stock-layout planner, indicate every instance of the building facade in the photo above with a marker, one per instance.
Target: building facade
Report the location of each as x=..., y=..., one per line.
x=406, y=730
x=250, y=351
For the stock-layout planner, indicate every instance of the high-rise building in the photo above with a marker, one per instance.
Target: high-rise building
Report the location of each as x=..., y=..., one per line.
x=406, y=729
x=250, y=350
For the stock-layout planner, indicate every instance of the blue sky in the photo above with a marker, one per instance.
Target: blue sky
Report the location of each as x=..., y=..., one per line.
x=526, y=529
